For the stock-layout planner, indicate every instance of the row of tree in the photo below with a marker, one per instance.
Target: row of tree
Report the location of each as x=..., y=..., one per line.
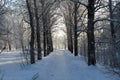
x=90, y=20
x=82, y=19
x=92, y=28
x=4, y=27
x=42, y=16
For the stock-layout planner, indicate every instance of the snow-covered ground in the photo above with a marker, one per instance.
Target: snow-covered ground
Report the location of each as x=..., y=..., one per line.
x=59, y=65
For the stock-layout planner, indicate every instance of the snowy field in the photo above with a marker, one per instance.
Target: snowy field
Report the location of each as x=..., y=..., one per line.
x=59, y=65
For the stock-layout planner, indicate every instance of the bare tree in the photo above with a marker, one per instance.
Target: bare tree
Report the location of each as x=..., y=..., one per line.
x=38, y=31
x=31, y=17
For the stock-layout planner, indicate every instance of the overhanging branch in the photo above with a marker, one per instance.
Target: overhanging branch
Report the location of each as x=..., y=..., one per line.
x=82, y=3
x=106, y=19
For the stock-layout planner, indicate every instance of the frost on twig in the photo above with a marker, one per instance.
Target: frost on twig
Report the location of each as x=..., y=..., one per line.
x=107, y=19
x=80, y=2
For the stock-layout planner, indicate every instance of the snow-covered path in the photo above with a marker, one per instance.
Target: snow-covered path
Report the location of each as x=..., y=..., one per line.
x=64, y=66
x=59, y=65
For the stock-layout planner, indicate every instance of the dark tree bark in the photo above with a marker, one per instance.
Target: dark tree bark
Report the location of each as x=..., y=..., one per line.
x=75, y=30
x=51, y=23
x=111, y=23
x=90, y=33
x=68, y=16
x=50, y=40
x=22, y=45
x=114, y=61
x=44, y=39
x=32, y=54
x=48, y=35
x=9, y=45
x=39, y=55
x=44, y=28
x=69, y=38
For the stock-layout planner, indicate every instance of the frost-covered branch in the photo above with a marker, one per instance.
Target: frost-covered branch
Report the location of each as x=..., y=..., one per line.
x=81, y=31
x=106, y=19
x=100, y=7
x=102, y=28
x=82, y=3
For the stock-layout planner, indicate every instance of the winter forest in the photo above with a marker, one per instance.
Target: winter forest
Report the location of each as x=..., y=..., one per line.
x=59, y=39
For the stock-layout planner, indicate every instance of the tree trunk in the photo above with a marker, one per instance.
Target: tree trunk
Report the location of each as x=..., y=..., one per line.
x=75, y=30
x=39, y=55
x=49, y=43
x=44, y=29
x=113, y=61
x=69, y=38
x=44, y=41
x=22, y=45
x=32, y=54
x=9, y=44
x=90, y=33
x=111, y=23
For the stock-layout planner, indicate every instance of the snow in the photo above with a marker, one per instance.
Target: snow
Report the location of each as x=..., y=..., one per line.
x=59, y=65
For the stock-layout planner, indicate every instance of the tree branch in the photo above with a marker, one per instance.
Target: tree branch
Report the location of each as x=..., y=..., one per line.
x=82, y=3
x=106, y=19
